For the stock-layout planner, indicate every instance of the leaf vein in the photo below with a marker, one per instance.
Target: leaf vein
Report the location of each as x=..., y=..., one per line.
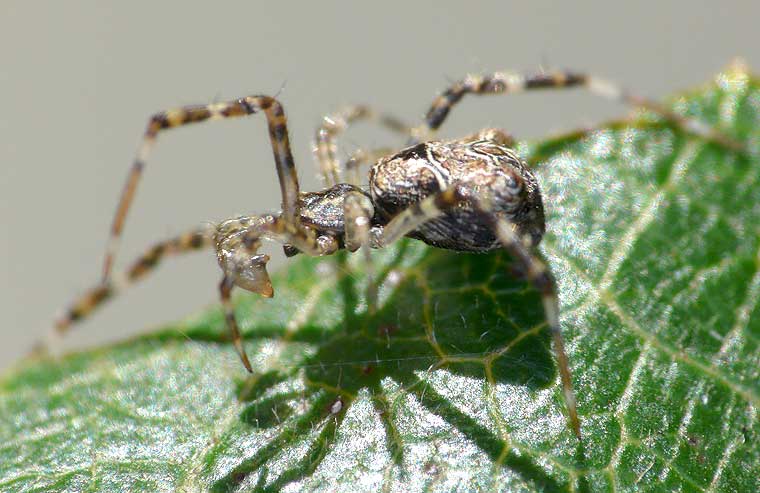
x=607, y=298
x=625, y=244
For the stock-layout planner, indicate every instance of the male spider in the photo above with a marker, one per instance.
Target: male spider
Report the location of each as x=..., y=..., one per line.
x=471, y=194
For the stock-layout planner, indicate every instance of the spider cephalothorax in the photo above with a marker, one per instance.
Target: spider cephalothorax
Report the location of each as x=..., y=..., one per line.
x=470, y=194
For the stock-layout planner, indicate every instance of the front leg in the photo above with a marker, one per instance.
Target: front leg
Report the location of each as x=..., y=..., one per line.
x=186, y=115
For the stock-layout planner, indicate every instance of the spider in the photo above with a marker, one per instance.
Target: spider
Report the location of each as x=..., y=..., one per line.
x=472, y=194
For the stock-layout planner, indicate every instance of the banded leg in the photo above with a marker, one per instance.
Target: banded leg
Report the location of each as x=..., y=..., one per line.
x=506, y=83
x=225, y=290
x=278, y=134
x=237, y=242
x=334, y=124
x=147, y=262
x=539, y=275
x=536, y=271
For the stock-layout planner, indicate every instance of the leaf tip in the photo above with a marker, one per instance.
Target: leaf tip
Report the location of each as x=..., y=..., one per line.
x=737, y=65
x=735, y=75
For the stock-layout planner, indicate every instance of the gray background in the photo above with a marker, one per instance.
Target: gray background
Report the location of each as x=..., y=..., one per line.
x=79, y=80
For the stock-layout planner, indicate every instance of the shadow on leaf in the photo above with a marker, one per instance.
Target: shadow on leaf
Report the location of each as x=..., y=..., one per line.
x=465, y=313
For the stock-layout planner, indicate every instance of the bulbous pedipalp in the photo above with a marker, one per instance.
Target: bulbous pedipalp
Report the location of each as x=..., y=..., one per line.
x=238, y=257
x=251, y=274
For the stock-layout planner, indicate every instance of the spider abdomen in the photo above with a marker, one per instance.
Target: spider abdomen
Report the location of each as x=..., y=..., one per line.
x=481, y=169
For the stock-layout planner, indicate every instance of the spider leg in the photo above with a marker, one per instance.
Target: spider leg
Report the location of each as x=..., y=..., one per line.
x=358, y=211
x=83, y=306
x=186, y=115
x=539, y=275
x=334, y=124
x=495, y=135
x=415, y=216
x=352, y=167
x=506, y=83
x=237, y=242
x=520, y=248
x=225, y=290
x=360, y=157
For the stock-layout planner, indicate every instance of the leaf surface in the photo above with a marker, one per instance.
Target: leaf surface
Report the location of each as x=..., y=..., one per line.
x=451, y=386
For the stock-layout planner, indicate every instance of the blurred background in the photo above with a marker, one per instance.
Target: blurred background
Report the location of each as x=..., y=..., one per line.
x=79, y=80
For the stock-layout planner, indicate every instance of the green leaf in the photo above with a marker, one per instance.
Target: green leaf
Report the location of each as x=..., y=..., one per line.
x=654, y=238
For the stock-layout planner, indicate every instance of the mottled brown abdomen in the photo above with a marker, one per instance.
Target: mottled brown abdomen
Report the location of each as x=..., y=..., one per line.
x=480, y=169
